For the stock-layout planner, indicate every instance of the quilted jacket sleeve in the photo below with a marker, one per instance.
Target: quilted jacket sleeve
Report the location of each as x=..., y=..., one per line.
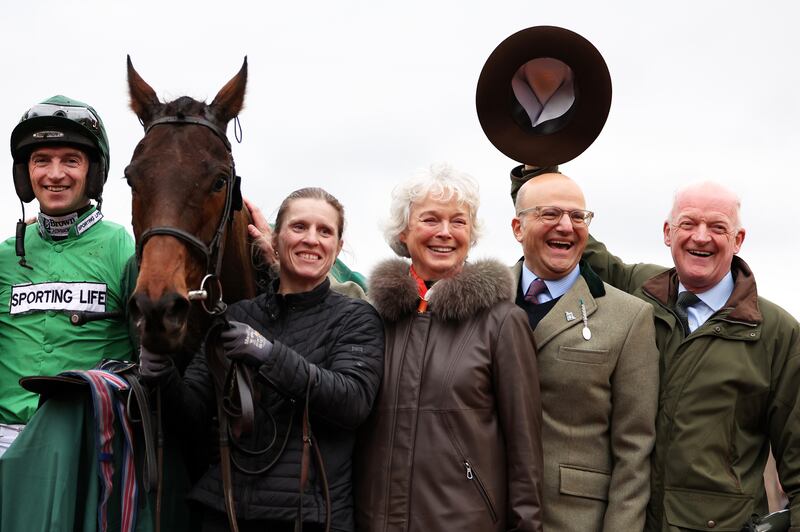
x=347, y=380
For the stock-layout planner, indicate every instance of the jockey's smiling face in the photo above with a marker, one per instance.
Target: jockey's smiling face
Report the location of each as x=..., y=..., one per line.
x=58, y=178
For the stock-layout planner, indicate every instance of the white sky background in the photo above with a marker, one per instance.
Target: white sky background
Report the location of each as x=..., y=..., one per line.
x=356, y=96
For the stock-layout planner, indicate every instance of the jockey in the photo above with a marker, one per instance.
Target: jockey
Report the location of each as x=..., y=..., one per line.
x=69, y=260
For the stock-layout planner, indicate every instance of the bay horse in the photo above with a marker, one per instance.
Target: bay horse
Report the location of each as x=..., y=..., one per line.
x=191, y=235
x=187, y=215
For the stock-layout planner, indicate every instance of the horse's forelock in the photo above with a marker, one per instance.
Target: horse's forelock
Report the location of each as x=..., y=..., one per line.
x=185, y=105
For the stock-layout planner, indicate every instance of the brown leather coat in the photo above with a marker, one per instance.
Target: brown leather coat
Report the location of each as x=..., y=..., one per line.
x=454, y=441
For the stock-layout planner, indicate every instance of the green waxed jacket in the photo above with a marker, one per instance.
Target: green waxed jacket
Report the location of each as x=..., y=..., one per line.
x=728, y=390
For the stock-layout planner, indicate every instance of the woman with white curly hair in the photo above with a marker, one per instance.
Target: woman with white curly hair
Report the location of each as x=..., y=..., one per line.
x=454, y=440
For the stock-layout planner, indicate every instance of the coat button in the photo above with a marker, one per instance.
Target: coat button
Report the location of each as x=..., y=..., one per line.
x=717, y=329
x=48, y=348
x=711, y=524
x=58, y=248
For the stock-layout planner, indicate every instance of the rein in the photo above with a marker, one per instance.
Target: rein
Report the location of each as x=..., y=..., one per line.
x=213, y=251
x=236, y=416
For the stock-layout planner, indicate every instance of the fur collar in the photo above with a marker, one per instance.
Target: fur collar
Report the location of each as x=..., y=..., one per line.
x=478, y=286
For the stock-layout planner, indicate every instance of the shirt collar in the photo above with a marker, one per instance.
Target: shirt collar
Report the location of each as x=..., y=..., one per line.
x=715, y=297
x=79, y=223
x=557, y=287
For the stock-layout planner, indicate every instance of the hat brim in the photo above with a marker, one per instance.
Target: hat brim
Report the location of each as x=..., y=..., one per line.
x=587, y=116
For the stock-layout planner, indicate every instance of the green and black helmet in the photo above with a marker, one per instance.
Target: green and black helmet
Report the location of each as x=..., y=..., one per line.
x=60, y=121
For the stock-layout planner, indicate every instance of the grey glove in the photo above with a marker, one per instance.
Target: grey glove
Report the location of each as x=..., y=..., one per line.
x=154, y=367
x=245, y=344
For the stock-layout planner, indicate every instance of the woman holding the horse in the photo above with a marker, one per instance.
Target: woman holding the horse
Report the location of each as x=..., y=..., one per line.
x=454, y=440
x=315, y=357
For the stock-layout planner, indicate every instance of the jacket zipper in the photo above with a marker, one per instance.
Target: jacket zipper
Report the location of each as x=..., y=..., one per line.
x=472, y=476
x=470, y=473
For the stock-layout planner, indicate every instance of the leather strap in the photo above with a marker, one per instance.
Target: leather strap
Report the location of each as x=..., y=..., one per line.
x=138, y=402
x=234, y=390
x=309, y=442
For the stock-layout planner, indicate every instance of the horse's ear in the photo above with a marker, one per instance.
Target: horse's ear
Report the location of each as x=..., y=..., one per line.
x=230, y=99
x=144, y=101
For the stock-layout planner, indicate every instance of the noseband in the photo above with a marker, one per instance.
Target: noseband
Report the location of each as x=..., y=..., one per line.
x=212, y=251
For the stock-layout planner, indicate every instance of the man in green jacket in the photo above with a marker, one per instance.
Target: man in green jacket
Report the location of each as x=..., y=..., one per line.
x=70, y=260
x=730, y=370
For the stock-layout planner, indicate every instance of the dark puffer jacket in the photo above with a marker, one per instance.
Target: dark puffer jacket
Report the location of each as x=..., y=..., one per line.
x=343, y=337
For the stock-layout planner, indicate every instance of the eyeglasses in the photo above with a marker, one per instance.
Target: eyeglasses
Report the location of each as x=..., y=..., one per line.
x=552, y=215
x=81, y=115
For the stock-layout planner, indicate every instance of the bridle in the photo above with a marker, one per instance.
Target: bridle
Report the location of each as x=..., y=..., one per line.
x=212, y=251
x=232, y=382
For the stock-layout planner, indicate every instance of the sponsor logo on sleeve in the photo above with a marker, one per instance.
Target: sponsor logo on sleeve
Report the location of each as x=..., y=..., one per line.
x=90, y=297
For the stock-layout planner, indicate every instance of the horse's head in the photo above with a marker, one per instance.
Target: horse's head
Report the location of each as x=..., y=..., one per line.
x=183, y=184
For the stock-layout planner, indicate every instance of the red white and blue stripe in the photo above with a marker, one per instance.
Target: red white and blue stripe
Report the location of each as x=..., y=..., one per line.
x=104, y=384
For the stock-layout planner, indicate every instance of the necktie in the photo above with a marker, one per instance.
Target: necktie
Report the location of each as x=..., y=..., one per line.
x=536, y=288
x=685, y=300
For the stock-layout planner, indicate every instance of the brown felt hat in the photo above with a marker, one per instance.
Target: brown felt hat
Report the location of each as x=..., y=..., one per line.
x=557, y=128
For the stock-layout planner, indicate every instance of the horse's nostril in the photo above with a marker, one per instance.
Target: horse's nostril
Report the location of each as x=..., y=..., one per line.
x=136, y=305
x=176, y=310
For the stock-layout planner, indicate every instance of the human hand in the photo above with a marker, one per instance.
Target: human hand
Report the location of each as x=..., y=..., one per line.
x=154, y=367
x=245, y=344
x=261, y=233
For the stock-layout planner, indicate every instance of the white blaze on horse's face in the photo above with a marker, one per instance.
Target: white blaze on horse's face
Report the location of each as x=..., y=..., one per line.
x=308, y=243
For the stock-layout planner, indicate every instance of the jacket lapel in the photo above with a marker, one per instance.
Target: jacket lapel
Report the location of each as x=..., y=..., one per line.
x=566, y=313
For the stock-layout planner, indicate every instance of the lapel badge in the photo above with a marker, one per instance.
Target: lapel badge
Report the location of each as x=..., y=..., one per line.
x=570, y=316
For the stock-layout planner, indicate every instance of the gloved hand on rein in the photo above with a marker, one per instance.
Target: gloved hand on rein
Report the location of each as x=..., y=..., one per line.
x=243, y=343
x=154, y=367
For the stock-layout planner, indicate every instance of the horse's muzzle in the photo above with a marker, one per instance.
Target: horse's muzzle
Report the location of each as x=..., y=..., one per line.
x=162, y=323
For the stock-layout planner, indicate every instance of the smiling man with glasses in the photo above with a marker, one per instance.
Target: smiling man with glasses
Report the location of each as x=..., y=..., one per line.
x=598, y=367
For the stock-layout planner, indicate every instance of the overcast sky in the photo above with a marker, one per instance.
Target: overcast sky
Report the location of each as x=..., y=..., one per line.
x=356, y=96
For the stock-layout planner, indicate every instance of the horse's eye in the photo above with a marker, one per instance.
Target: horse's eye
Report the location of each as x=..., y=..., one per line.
x=128, y=181
x=219, y=184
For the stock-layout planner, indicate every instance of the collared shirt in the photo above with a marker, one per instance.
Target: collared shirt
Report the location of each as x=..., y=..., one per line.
x=555, y=289
x=710, y=301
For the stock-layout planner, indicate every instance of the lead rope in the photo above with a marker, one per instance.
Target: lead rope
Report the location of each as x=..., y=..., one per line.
x=219, y=374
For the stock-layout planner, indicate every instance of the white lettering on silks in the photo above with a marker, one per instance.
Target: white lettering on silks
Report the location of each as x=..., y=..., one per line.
x=89, y=221
x=58, y=296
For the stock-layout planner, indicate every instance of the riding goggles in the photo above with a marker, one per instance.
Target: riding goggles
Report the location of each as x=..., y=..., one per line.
x=85, y=117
